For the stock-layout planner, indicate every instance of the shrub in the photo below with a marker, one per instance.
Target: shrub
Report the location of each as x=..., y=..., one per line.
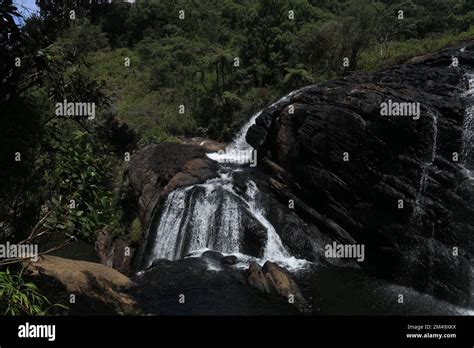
x=22, y=298
x=136, y=231
x=84, y=202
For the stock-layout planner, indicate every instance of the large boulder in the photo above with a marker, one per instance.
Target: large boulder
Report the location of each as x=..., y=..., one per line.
x=273, y=279
x=390, y=183
x=114, y=252
x=96, y=288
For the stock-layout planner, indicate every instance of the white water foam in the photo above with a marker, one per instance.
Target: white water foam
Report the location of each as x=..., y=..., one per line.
x=192, y=223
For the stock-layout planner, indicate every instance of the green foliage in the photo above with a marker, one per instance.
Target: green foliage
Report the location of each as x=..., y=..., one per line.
x=82, y=38
x=22, y=298
x=396, y=52
x=325, y=45
x=191, y=62
x=11, y=40
x=136, y=231
x=296, y=78
x=83, y=201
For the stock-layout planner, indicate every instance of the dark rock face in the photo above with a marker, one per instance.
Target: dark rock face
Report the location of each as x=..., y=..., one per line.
x=300, y=236
x=347, y=168
x=114, y=252
x=254, y=238
x=213, y=255
x=229, y=260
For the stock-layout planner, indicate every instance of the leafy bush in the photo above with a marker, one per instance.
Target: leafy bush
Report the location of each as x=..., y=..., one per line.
x=22, y=298
x=396, y=52
x=84, y=202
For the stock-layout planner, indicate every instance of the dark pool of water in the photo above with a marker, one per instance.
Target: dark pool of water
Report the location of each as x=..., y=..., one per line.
x=351, y=291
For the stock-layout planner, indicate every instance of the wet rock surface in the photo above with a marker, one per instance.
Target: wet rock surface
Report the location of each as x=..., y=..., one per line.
x=208, y=145
x=205, y=288
x=346, y=168
x=209, y=288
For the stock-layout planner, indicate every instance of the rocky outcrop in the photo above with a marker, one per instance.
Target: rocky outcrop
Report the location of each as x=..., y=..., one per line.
x=114, y=252
x=273, y=279
x=96, y=288
x=208, y=145
x=203, y=286
x=300, y=236
x=391, y=183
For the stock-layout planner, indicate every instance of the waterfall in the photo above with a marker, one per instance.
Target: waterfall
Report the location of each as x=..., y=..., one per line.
x=424, y=172
x=212, y=215
x=239, y=142
x=467, y=139
x=467, y=142
x=239, y=150
x=189, y=219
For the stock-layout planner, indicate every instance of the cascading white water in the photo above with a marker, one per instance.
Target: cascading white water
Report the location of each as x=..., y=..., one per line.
x=274, y=249
x=467, y=143
x=239, y=150
x=190, y=216
x=209, y=216
x=169, y=226
x=424, y=173
x=239, y=141
x=467, y=140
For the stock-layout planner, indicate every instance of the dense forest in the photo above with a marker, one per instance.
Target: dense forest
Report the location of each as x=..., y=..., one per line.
x=166, y=70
